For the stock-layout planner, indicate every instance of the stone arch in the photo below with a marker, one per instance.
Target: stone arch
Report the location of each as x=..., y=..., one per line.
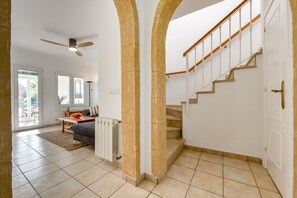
x=164, y=12
x=129, y=31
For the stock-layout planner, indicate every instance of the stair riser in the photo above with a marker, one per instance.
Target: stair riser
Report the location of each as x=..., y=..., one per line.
x=175, y=113
x=174, y=123
x=173, y=134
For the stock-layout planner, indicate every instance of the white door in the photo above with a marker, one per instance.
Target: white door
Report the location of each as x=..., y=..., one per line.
x=27, y=99
x=279, y=94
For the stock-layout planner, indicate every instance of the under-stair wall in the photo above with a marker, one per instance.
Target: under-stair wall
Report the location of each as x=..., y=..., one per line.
x=231, y=119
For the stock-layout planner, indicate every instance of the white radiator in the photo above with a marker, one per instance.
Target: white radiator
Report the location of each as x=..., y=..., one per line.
x=106, y=138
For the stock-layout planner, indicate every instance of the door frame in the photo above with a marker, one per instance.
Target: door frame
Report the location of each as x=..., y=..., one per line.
x=15, y=92
x=288, y=98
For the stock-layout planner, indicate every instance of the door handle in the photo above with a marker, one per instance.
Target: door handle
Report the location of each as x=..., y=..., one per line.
x=282, y=91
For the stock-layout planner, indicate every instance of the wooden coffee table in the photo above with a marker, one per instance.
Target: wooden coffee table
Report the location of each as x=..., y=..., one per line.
x=70, y=121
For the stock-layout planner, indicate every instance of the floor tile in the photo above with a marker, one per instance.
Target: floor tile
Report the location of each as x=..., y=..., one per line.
x=210, y=168
x=18, y=181
x=78, y=167
x=234, y=189
x=94, y=159
x=191, y=153
x=16, y=155
x=130, y=191
x=171, y=188
x=212, y=158
x=58, y=156
x=194, y=192
x=40, y=172
x=50, y=181
x=186, y=162
x=265, y=182
x=15, y=171
x=181, y=173
x=258, y=168
x=236, y=163
x=62, y=163
x=107, y=166
x=85, y=193
x=239, y=175
x=63, y=190
x=118, y=172
x=153, y=196
x=86, y=154
x=208, y=182
x=52, y=151
x=107, y=185
x=91, y=175
x=35, y=164
x=25, y=191
x=269, y=194
x=27, y=159
x=147, y=185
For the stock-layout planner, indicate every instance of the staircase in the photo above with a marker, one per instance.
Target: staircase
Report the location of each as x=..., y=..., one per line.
x=175, y=143
x=250, y=64
x=210, y=61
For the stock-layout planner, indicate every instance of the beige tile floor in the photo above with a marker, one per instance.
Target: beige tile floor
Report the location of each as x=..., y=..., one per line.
x=42, y=169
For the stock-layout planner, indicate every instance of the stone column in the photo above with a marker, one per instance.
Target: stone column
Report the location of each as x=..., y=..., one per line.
x=165, y=10
x=129, y=28
x=5, y=104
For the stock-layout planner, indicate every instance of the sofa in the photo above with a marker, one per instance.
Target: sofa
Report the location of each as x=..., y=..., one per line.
x=85, y=132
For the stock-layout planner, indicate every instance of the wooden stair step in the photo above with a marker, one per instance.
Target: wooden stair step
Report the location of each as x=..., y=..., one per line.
x=174, y=148
x=170, y=117
x=175, y=107
x=168, y=128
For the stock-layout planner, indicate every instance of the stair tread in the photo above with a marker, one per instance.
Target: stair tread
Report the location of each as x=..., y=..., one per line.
x=173, y=145
x=173, y=128
x=177, y=108
x=170, y=117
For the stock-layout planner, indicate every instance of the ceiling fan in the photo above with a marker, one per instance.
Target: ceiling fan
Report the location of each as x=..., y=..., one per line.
x=73, y=46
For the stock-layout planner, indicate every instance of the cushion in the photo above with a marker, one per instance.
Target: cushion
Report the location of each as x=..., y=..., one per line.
x=87, y=129
x=94, y=110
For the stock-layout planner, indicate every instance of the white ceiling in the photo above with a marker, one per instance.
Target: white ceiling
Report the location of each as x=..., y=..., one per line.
x=190, y=6
x=56, y=20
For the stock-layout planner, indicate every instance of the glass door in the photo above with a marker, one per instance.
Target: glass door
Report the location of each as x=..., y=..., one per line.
x=28, y=110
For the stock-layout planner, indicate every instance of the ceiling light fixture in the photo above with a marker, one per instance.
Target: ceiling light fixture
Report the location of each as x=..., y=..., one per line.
x=73, y=49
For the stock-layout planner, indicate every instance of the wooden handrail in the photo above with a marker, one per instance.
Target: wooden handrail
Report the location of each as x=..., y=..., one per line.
x=216, y=26
x=217, y=48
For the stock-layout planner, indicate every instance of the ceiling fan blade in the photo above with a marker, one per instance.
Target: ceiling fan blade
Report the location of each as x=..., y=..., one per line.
x=86, y=44
x=78, y=53
x=51, y=42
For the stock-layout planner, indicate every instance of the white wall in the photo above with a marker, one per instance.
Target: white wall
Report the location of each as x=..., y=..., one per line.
x=110, y=69
x=176, y=84
x=109, y=61
x=185, y=31
x=49, y=66
x=230, y=120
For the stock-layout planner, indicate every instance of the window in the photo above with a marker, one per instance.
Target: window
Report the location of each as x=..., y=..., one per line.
x=78, y=91
x=70, y=90
x=63, y=90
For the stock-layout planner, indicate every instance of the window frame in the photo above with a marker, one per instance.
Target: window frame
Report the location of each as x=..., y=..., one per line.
x=71, y=90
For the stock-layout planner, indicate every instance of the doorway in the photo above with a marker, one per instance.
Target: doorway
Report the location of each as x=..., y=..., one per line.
x=27, y=99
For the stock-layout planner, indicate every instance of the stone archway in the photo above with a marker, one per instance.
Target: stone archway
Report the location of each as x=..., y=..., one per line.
x=164, y=12
x=129, y=28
